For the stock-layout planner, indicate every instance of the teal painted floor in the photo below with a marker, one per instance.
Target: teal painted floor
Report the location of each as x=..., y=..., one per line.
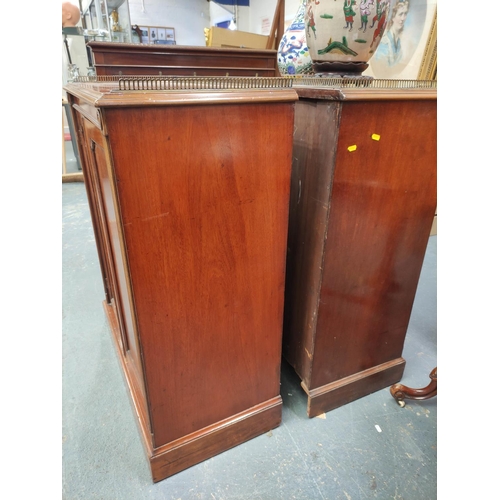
x=370, y=448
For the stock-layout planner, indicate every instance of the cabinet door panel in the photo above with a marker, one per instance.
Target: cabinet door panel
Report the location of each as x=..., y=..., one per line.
x=98, y=220
x=122, y=295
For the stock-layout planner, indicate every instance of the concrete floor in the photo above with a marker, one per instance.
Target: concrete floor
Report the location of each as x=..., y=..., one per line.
x=370, y=448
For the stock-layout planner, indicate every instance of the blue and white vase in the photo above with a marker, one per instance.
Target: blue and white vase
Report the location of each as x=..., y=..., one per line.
x=293, y=53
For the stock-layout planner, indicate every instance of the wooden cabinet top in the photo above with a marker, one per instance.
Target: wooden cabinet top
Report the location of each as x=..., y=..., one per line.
x=107, y=47
x=350, y=89
x=164, y=91
x=145, y=91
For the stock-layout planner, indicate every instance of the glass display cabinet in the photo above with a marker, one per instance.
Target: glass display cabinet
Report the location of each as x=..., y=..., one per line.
x=109, y=20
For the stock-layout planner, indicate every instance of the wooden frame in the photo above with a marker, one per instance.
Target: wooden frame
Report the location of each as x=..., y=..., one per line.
x=418, y=45
x=428, y=68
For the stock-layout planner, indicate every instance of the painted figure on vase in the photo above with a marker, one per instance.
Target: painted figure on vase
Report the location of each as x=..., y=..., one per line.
x=390, y=49
x=365, y=9
x=349, y=13
x=381, y=18
x=379, y=10
x=310, y=16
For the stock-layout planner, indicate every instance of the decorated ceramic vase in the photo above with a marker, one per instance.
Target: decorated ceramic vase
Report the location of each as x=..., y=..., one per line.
x=293, y=53
x=342, y=35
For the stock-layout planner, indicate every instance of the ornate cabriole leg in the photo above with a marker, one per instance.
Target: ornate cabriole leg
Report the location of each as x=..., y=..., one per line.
x=399, y=392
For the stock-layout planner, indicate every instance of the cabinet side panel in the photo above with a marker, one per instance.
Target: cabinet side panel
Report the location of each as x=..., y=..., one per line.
x=383, y=205
x=314, y=146
x=204, y=196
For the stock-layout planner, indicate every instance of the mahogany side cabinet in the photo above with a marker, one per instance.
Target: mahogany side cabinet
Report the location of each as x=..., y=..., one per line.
x=169, y=60
x=188, y=186
x=362, y=203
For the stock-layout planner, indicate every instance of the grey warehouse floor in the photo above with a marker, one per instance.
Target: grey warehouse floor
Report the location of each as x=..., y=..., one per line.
x=370, y=448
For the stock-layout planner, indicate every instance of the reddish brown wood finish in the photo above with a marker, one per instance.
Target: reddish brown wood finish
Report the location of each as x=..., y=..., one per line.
x=359, y=226
x=208, y=442
x=167, y=60
x=190, y=202
x=401, y=392
x=348, y=389
x=199, y=215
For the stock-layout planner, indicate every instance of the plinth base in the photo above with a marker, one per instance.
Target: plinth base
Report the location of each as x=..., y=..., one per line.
x=206, y=443
x=348, y=389
x=189, y=450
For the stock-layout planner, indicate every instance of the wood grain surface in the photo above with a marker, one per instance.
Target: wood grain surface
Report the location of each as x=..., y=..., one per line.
x=360, y=219
x=204, y=204
x=383, y=204
x=133, y=59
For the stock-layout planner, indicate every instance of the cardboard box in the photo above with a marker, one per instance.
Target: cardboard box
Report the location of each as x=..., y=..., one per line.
x=434, y=227
x=222, y=37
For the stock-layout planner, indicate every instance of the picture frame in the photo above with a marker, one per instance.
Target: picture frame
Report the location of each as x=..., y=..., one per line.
x=161, y=34
x=157, y=34
x=170, y=34
x=417, y=59
x=144, y=34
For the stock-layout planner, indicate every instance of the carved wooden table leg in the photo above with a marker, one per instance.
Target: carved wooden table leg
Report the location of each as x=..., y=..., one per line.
x=399, y=391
